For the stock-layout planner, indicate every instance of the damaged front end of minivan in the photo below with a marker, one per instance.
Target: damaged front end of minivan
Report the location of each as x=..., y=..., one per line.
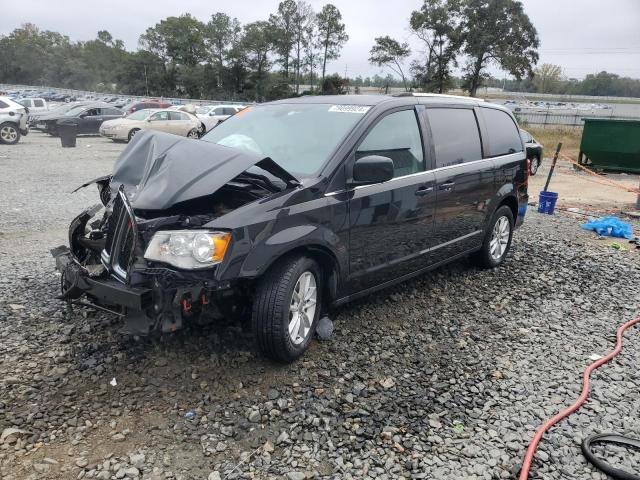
x=151, y=250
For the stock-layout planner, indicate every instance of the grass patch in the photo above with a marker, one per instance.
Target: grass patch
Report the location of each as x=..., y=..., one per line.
x=551, y=136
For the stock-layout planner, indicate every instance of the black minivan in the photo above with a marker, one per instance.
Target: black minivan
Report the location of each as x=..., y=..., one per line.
x=293, y=207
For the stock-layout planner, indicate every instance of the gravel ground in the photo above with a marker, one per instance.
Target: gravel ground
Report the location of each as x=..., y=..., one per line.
x=445, y=377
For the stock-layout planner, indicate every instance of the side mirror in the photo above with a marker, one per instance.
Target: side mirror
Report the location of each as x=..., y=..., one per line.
x=82, y=115
x=372, y=169
x=148, y=120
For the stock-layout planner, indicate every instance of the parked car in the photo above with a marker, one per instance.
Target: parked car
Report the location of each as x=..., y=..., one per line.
x=13, y=121
x=294, y=207
x=37, y=121
x=88, y=117
x=143, y=105
x=534, y=151
x=211, y=115
x=35, y=105
x=169, y=121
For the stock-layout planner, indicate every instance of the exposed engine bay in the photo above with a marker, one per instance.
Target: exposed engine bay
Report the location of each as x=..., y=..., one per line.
x=158, y=201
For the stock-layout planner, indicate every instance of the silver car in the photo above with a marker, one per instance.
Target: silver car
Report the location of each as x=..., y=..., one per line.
x=169, y=121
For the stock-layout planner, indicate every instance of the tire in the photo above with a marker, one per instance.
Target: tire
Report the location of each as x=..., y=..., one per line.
x=535, y=164
x=132, y=133
x=193, y=133
x=9, y=133
x=487, y=256
x=274, y=309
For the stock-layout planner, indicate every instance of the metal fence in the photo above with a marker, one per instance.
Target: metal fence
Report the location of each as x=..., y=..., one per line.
x=571, y=119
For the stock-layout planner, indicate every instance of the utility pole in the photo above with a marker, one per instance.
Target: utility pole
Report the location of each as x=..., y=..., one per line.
x=146, y=81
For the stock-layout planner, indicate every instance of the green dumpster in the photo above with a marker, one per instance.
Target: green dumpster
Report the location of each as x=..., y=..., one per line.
x=610, y=144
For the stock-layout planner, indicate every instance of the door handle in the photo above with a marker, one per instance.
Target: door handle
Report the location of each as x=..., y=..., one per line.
x=422, y=191
x=447, y=186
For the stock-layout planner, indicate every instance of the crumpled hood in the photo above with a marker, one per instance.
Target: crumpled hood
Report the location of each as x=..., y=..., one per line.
x=159, y=170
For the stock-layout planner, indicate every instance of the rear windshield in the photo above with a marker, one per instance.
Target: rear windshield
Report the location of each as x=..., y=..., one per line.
x=138, y=115
x=299, y=137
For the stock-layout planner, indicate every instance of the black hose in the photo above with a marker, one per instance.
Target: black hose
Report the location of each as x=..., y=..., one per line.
x=601, y=464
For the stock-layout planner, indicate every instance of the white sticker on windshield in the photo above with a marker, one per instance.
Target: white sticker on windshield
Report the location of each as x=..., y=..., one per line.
x=349, y=108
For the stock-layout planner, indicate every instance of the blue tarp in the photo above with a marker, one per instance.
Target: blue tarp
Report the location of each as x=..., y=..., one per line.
x=610, y=227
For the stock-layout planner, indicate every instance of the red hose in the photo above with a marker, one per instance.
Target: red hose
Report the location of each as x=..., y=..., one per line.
x=528, y=458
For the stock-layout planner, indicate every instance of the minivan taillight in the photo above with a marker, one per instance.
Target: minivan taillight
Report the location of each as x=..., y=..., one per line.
x=528, y=172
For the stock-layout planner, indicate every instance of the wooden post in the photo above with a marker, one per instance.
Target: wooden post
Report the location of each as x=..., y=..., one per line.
x=553, y=166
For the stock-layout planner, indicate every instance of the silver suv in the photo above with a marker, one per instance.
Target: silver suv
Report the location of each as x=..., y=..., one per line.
x=13, y=121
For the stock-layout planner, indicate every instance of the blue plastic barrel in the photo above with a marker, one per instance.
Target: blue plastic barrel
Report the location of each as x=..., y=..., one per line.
x=547, y=202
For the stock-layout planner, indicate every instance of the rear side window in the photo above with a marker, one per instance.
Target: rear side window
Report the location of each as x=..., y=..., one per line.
x=3, y=105
x=160, y=116
x=38, y=103
x=504, y=136
x=178, y=116
x=455, y=135
x=228, y=111
x=396, y=136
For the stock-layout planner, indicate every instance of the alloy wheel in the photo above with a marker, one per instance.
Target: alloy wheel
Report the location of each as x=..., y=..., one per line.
x=8, y=133
x=302, y=308
x=535, y=163
x=499, y=238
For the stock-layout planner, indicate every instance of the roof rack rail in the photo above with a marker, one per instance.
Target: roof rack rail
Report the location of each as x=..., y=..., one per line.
x=443, y=95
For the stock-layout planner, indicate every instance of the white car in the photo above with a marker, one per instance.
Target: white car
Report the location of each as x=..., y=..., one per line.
x=13, y=121
x=35, y=105
x=170, y=121
x=211, y=115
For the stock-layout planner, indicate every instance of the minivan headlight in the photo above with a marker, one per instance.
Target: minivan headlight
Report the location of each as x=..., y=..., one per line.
x=188, y=249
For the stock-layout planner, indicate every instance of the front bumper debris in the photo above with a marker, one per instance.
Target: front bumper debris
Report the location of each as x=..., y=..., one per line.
x=77, y=281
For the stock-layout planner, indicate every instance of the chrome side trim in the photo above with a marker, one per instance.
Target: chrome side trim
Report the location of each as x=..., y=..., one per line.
x=435, y=170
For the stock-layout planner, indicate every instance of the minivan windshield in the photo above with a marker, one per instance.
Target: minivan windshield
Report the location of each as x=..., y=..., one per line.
x=297, y=136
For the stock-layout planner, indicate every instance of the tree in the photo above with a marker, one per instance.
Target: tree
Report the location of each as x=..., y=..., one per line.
x=310, y=54
x=331, y=34
x=546, y=77
x=303, y=20
x=389, y=52
x=257, y=43
x=179, y=40
x=437, y=24
x=499, y=32
x=219, y=31
x=284, y=25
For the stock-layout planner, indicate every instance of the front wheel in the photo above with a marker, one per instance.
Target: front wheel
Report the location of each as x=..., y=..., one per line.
x=132, y=134
x=286, y=308
x=497, y=239
x=533, y=167
x=9, y=134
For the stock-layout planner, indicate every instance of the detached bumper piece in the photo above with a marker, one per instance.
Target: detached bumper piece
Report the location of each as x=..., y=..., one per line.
x=77, y=281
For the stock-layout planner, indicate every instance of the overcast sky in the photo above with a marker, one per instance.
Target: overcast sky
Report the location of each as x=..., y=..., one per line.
x=583, y=36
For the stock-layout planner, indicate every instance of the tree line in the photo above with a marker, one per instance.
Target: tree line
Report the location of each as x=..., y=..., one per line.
x=287, y=55
x=549, y=78
x=183, y=56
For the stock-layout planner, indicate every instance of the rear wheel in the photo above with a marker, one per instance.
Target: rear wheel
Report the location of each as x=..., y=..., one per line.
x=132, y=133
x=533, y=167
x=193, y=133
x=9, y=133
x=286, y=308
x=497, y=239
